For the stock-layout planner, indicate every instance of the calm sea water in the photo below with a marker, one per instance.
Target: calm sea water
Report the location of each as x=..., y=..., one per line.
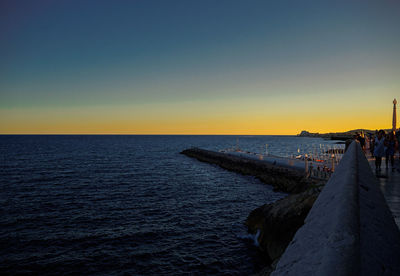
x=112, y=205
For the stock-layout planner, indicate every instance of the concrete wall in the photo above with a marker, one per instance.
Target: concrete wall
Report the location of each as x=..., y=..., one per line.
x=349, y=230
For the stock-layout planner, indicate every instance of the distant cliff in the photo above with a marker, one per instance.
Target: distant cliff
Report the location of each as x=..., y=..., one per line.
x=335, y=135
x=305, y=133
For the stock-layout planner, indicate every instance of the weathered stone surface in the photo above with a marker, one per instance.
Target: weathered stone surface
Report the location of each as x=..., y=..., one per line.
x=281, y=178
x=349, y=230
x=279, y=221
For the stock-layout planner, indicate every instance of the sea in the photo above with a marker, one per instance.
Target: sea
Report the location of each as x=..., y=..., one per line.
x=130, y=204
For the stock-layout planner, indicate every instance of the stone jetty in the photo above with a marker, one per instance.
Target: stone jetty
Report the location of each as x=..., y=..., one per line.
x=344, y=229
x=276, y=223
x=283, y=179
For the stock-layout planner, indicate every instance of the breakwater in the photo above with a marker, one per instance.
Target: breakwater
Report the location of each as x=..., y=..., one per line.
x=274, y=224
x=349, y=230
x=345, y=229
x=281, y=178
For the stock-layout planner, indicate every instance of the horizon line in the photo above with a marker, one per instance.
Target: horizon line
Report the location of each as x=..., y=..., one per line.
x=141, y=134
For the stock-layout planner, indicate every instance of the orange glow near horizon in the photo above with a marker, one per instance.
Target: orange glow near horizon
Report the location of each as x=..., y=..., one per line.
x=232, y=118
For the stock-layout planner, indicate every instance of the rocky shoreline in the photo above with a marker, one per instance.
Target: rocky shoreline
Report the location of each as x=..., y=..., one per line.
x=276, y=223
x=273, y=224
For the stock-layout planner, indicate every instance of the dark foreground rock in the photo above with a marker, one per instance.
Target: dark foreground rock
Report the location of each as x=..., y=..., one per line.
x=279, y=221
x=281, y=178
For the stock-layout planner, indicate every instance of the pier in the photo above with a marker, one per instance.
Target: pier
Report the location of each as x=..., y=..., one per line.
x=276, y=172
x=349, y=230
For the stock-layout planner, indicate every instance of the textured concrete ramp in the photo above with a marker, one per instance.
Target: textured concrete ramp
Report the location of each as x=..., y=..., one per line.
x=349, y=230
x=380, y=238
x=389, y=182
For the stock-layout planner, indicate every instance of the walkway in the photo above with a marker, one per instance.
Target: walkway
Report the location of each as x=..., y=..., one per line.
x=390, y=186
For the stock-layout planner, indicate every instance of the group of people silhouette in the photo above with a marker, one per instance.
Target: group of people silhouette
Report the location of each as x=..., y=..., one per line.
x=381, y=145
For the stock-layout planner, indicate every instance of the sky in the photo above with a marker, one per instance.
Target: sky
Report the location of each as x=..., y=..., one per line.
x=197, y=67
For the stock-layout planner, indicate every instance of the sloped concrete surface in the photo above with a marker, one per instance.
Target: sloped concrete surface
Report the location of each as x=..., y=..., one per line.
x=349, y=230
x=380, y=238
x=389, y=182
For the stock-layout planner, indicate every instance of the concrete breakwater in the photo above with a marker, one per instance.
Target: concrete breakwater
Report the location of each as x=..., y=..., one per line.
x=281, y=178
x=349, y=230
x=275, y=223
x=346, y=229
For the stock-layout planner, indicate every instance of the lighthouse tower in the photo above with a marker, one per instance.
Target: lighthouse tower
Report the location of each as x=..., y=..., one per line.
x=394, y=115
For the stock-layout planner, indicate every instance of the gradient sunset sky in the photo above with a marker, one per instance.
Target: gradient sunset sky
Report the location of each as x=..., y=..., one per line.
x=197, y=67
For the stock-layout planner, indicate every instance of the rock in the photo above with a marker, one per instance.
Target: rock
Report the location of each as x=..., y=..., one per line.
x=267, y=270
x=305, y=133
x=279, y=221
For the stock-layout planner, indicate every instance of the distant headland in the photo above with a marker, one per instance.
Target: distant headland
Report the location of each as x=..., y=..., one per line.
x=336, y=135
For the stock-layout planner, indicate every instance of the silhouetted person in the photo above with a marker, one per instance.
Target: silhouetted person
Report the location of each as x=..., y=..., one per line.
x=371, y=143
x=379, y=149
x=361, y=139
x=390, y=145
x=398, y=139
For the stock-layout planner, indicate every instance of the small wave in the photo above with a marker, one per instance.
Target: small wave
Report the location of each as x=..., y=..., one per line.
x=252, y=237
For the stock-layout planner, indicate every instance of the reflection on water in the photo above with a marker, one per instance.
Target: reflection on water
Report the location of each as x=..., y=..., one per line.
x=129, y=204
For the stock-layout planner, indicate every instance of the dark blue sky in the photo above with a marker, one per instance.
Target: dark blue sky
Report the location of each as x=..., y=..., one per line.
x=111, y=53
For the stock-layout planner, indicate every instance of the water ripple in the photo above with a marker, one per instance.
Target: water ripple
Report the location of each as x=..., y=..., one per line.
x=109, y=205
